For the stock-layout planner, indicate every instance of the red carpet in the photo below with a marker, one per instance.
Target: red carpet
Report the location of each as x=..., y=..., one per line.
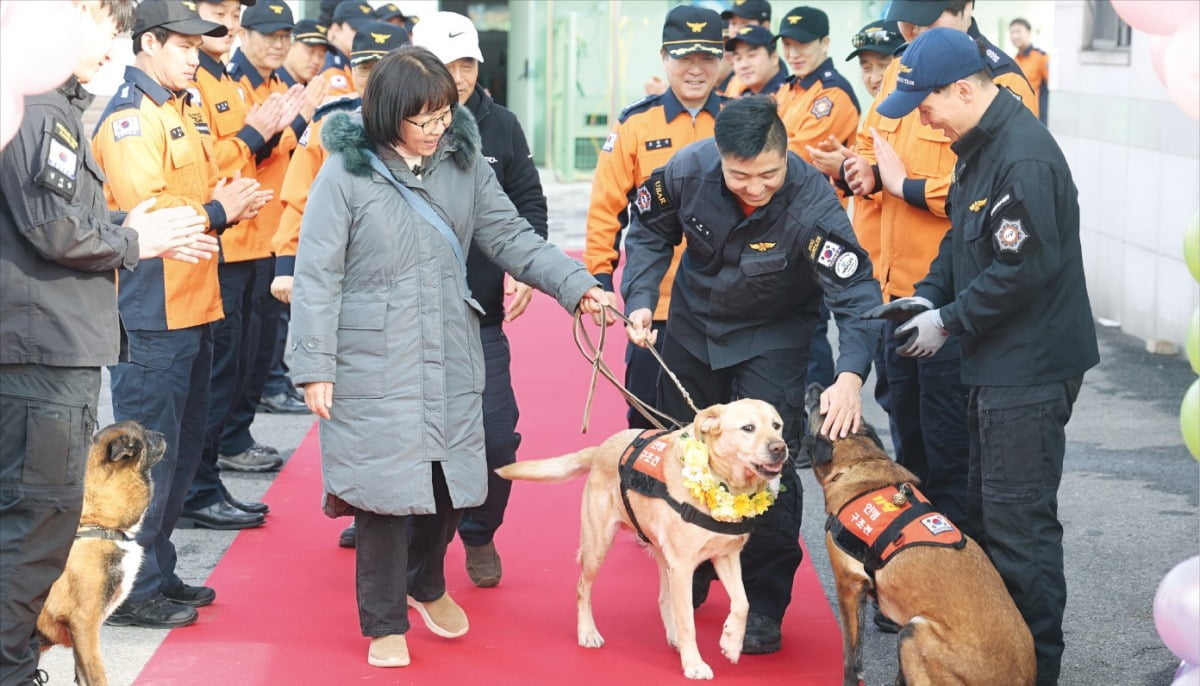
x=285, y=611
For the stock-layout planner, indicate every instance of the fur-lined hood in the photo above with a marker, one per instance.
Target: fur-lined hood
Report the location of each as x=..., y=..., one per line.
x=344, y=133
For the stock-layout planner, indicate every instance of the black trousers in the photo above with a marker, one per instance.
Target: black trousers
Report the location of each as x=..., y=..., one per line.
x=641, y=377
x=234, y=345
x=400, y=556
x=268, y=313
x=1017, y=443
x=501, y=440
x=773, y=553
x=47, y=417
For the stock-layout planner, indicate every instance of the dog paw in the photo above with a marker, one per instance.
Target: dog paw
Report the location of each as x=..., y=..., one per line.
x=698, y=670
x=591, y=639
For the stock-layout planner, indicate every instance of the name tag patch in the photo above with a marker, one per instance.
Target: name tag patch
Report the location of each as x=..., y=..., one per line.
x=177, y=132
x=658, y=144
x=223, y=106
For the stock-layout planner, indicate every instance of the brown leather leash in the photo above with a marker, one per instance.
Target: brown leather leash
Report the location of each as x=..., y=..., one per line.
x=594, y=354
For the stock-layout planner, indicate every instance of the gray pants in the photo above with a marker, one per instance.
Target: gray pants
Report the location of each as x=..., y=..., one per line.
x=1017, y=443
x=47, y=417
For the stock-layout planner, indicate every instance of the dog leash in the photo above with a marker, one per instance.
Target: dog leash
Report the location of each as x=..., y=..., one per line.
x=594, y=354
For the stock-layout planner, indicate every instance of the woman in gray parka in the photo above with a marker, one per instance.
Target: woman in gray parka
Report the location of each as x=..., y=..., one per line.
x=386, y=335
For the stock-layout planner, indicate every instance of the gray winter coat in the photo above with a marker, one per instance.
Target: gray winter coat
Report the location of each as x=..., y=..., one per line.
x=380, y=308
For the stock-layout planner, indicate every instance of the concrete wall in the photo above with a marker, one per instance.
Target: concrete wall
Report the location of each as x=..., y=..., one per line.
x=1136, y=161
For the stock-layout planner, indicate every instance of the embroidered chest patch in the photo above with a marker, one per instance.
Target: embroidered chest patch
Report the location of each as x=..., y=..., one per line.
x=822, y=107
x=1011, y=236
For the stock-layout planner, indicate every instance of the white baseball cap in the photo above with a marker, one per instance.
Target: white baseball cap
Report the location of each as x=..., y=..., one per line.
x=449, y=36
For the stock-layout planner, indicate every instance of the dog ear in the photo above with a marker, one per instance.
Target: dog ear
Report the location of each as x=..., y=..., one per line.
x=818, y=449
x=124, y=448
x=708, y=422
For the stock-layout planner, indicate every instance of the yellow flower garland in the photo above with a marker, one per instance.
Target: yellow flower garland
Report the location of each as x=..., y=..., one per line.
x=723, y=505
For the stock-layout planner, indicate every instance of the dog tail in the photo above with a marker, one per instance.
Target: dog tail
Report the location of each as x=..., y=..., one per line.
x=550, y=470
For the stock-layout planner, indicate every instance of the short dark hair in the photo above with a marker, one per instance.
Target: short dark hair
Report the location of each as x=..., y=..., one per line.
x=160, y=34
x=406, y=82
x=121, y=11
x=956, y=7
x=1022, y=22
x=750, y=126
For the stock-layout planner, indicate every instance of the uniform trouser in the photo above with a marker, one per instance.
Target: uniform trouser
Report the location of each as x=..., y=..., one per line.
x=278, y=382
x=47, y=417
x=928, y=413
x=820, y=353
x=500, y=436
x=266, y=310
x=165, y=387
x=772, y=555
x=233, y=349
x=1018, y=440
x=400, y=556
x=641, y=377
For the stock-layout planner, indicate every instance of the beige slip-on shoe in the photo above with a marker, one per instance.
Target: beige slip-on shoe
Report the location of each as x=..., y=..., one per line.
x=388, y=651
x=443, y=616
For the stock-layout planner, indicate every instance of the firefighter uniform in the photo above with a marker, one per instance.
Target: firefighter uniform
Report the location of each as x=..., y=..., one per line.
x=817, y=105
x=1035, y=64
x=927, y=398
x=154, y=143
x=1009, y=280
x=744, y=305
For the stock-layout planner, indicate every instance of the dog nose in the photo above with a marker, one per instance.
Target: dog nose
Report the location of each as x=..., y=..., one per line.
x=778, y=450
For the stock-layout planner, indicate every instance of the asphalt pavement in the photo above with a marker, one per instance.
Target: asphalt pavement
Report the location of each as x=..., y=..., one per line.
x=1128, y=501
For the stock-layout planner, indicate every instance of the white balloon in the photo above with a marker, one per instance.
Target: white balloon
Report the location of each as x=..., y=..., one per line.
x=32, y=60
x=1181, y=68
x=11, y=110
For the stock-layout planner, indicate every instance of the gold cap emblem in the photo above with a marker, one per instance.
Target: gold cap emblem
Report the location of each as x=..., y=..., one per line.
x=380, y=38
x=697, y=27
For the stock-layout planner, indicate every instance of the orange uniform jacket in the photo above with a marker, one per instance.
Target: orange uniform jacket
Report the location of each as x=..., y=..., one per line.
x=649, y=132
x=911, y=228
x=224, y=105
x=1035, y=64
x=152, y=143
x=306, y=161
x=817, y=105
x=274, y=157
x=341, y=77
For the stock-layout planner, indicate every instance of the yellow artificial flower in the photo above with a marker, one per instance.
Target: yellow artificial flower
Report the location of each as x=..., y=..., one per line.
x=703, y=486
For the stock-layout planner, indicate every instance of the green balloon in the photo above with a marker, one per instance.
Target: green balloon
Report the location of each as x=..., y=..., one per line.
x=1189, y=419
x=1191, y=246
x=1193, y=341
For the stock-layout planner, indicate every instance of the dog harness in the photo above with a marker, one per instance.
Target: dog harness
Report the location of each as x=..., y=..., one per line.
x=93, y=531
x=641, y=470
x=876, y=525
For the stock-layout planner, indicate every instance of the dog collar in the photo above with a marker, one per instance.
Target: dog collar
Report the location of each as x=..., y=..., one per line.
x=641, y=470
x=93, y=531
x=877, y=524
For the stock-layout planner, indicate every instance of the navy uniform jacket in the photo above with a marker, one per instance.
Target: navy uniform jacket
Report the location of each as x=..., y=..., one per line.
x=1009, y=275
x=59, y=245
x=747, y=285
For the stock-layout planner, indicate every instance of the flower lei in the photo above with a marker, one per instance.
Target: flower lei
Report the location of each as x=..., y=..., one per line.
x=723, y=505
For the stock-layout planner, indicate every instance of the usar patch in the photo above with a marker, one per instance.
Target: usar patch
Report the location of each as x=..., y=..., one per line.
x=1010, y=236
x=822, y=107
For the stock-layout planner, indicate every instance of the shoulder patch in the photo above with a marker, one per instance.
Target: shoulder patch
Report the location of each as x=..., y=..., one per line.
x=64, y=134
x=609, y=142
x=834, y=255
x=338, y=81
x=195, y=93
x=129, y=125
x=651, y=198
x=1010, y=236
x=822, y=107
x=60, y=165
x=304, y=137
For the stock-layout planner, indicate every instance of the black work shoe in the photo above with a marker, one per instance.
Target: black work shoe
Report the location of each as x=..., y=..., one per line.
x=762, y=635
x=251, y=460
x=220, y=515
x=156, y=612
x=283, y=403
x=349, y=537
x=247, y=506
x=192, y=596
x=702, y=578
x=885, y=625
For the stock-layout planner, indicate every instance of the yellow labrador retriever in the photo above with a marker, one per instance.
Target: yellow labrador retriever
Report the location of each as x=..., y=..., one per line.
x=640, y=482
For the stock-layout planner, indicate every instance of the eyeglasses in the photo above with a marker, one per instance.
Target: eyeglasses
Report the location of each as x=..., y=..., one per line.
x=879, y=36
x=277, y=38
x=427, y=127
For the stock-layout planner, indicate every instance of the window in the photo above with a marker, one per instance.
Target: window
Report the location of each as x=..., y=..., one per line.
x=1105, y=31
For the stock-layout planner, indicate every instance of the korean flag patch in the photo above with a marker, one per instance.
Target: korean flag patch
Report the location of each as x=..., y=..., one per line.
x=338, y=81
x=829, y=253
x=937, y=524
x=126, y=126
x=609, y=142
x=62, y=159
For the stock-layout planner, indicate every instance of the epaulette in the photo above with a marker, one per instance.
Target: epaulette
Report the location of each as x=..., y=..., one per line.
x=127, y=96
x=640, y=105
x=346, y=102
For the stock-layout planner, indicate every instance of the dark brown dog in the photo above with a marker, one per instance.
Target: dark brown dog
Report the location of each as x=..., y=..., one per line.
x=959, y=624
x=745, y=451
x=104, y=557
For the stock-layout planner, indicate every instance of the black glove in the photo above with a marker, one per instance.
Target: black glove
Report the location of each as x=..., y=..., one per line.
x=900, y=311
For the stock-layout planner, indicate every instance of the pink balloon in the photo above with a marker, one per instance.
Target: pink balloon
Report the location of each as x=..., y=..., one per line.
x=1190, y=677
x=1158, y=49
x=1185, y=669
x=1181, y=72
x=11, y=111
x=21, y=45
x=1160, y=17
x=1177, y=611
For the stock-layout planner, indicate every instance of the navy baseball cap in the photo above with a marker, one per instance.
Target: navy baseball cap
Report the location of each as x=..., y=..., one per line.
x=804, y=24
x=938, y=57
x=881, y=37
x=691, y=29
x=756, y=10
x=757, y=36
x=309, y=31
x=917, y=12
x=376, y=39
x=175, y=16
x=389, y=11
x=354, y=13
x=268, y=16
